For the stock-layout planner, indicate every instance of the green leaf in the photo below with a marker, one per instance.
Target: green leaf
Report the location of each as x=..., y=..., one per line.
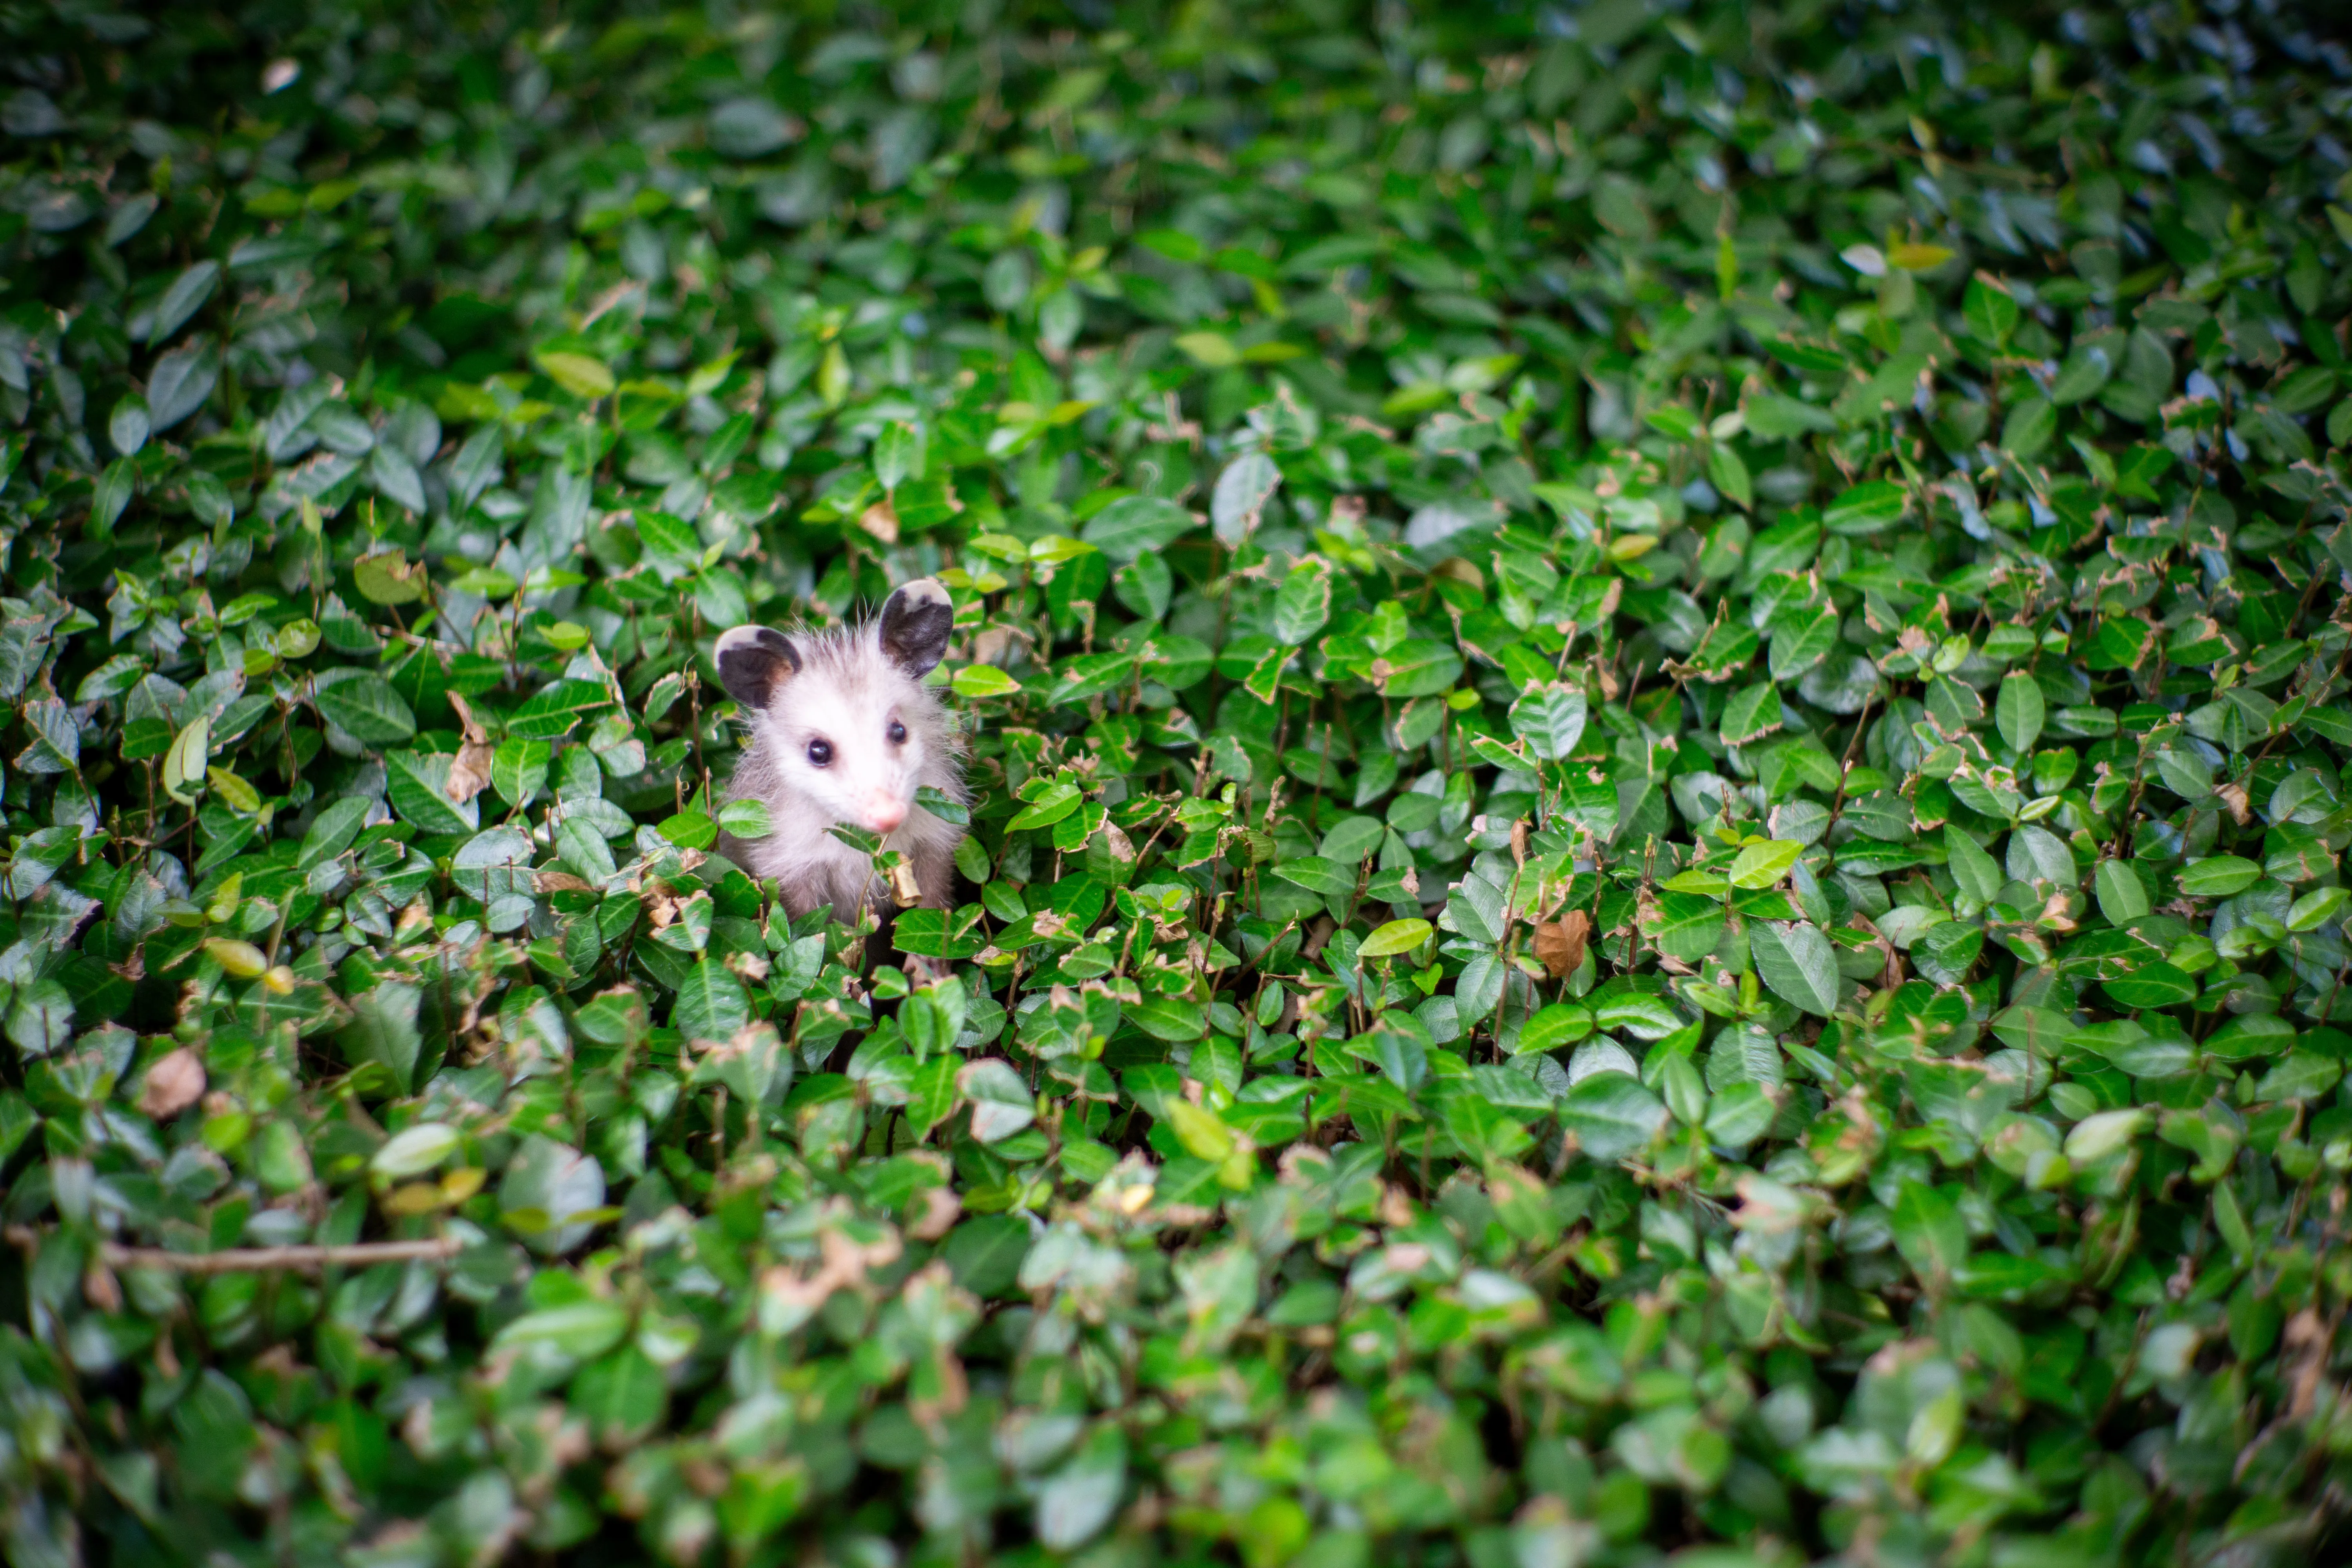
x=332, y=830
x=1801, y=639
x=1611, y=1115
x=1057, y=801
x=711, y=1003
x=1751, y=713
x=1561, y=1024
x=549, y=1187
x=1241, y=494
x=1417, y=669
x=2027, y=432
x=186, y=763
x=413, y=1150
x=1730, y=475
x=1132, y=525
x=1551, y=720
x=417, y=784
x=2219, y=875
x=2017, y=711
x=2086, y=371
x=746, y=819
x=180, y=382
x=1930, y=1232
x=582, y=1330
x=127, y=428
x=1797, y=962
x=1167, y=1018
x=1990, y=309
x=518, y=770
x=1763, y=865
x=1002, y=1104
x=367, y=709
x=1333, y=879
x=1866, y=509
x=1080, y=1498
x=382, y=1032
x=622, y=1397
x=2122, y=899
x=2153, y=985
x=1395, y=939
x=1303, y=604
x=577, y=374
x=1211, y=350
x=386, y=577
x=556, y=709
x=1977, y=873
x=185, y=296
x=979, y=681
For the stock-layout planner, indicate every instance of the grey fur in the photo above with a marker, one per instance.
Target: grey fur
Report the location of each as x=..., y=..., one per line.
x=844, y=687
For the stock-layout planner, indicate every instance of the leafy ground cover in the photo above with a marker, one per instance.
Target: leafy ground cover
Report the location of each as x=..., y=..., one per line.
x=1657, y=705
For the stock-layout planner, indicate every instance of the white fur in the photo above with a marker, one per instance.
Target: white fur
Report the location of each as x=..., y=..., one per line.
x=846, y=693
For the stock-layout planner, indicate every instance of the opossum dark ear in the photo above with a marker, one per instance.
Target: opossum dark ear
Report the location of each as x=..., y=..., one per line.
x=915, y=625
x=753, y=662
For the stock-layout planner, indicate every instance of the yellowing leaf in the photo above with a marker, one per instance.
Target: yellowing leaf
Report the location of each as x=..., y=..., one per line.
x=1210, y=351
x=1203, y=1134
x=1918, y=257
x=978, y=681
x=1762, y=864
x=577, y=374
x=184, y=763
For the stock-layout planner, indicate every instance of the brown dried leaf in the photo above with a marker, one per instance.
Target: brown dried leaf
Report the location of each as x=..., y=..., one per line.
x=941, y=1208
x=175, y=1082
x=470, y=774
x=881, y=521
x=907, y=891
x=1561, y=942
x=101, y=1289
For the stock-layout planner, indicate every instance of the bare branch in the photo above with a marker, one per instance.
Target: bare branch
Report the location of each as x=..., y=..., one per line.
x=242, y=1259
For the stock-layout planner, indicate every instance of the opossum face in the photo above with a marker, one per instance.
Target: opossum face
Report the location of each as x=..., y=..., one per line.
x=843, y=720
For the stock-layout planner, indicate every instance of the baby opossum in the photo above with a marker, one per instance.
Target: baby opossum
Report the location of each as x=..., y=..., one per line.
x=844, y=730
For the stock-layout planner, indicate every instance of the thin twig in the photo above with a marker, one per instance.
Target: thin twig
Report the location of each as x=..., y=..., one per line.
x=1845, y=765
x=244, y=1260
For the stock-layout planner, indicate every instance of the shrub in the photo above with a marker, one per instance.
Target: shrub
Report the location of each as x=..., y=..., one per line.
x=1657, y=739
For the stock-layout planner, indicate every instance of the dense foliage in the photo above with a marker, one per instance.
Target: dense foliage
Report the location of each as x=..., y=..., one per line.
x=1657, y=720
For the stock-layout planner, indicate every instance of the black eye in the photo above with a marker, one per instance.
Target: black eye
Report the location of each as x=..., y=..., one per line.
x=898, y=733
x=819, y=752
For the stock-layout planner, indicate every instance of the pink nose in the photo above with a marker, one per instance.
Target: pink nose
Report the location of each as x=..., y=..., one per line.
x=883, y=814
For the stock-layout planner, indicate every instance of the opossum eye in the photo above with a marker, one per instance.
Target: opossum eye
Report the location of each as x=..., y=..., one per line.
x=819, y=752
x=898, y=733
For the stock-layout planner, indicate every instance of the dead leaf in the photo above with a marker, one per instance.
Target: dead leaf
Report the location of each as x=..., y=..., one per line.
x=881, y=521
x=470, y=774
x=940, y=1210
x=560, y=882
x=1561, y=942
x=175, y=1082
x=101, y=1289
x=904, y=889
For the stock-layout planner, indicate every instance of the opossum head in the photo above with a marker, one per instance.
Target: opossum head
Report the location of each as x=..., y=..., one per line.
x=844, y=721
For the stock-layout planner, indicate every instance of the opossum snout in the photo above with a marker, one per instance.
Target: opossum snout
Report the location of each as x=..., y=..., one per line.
x=883, y=812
